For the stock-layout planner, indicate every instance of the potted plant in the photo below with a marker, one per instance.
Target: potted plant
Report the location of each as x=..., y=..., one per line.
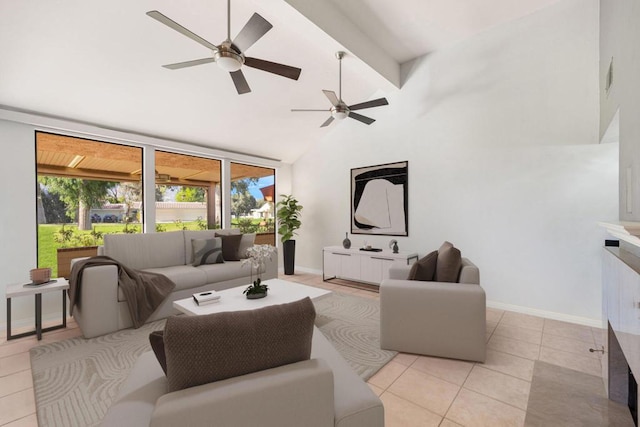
x=257, y=256
x=289, y=211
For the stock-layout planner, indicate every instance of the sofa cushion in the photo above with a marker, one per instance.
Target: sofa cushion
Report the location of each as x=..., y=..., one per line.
x=449, y=263
x=228, y=271
x=230, y=246
x=189, y=235
x=184, y=276
x=147, y=250
x=206, y=251
x=156, y=339
x=203, y=349
x=425, y=268
x=227, y=231
x=246, y=242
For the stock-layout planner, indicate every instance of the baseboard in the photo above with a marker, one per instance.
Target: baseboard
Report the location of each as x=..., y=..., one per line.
x=586, y=321
x=303, y=269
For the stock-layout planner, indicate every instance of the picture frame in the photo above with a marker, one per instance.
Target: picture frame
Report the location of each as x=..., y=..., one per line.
x=379, y=199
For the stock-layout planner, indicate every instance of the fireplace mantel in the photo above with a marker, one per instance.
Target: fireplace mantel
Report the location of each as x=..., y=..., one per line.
x=624, y=230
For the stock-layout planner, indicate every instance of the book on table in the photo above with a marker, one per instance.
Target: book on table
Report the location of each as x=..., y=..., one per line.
x=204, y=298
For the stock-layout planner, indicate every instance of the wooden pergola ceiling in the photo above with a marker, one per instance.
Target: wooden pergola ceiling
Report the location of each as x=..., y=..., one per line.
x=65, y=156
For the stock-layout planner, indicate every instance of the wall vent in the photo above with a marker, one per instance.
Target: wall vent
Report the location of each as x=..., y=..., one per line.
x=609, y=78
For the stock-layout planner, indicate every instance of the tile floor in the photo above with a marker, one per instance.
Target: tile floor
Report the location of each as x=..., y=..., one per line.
x=416, y=390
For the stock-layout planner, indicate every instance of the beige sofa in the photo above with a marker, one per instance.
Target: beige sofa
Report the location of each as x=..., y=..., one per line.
x=323, y=391
x=434, y=318
x=102, y=306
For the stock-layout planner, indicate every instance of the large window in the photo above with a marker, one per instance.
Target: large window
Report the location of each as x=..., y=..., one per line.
x=187, y=192
x=252, y=201
x=85, y=189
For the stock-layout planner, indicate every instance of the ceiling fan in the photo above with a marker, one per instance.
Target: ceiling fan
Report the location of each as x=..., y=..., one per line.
x=229, y=55
x=340, y=110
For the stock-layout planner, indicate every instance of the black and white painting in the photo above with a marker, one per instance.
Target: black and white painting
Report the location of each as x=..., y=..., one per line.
x=379, y=203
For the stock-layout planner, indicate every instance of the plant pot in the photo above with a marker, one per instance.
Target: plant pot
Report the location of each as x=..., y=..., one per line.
x=256, y=296
x=289, y=255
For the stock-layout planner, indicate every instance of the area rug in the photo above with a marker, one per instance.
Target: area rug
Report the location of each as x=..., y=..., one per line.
x=76, y=380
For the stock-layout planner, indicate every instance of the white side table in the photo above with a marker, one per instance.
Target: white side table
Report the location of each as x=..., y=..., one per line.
x=21, y=290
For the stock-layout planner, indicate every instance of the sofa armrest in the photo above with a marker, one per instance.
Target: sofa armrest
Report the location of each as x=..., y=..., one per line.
x=440, y=319
x=399, y=272
x=296, y=394
x=97, y=310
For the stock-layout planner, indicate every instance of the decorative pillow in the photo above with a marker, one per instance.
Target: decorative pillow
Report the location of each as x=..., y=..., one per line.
x=213, y=347
x=425, y=268
x=449, y=263
x=230, y=246
x=245, y=243
x=207, y=251
x=156, y=339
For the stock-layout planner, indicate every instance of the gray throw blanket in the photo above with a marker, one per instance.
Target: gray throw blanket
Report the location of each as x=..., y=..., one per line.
x=143, y=290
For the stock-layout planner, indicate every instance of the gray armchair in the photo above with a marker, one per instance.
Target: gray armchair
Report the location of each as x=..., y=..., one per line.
x=434, y=318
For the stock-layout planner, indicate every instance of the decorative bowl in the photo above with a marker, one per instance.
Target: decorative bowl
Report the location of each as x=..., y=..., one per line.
x=40, y=275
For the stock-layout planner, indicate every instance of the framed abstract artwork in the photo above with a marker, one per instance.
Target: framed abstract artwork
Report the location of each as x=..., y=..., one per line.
x=379, y=199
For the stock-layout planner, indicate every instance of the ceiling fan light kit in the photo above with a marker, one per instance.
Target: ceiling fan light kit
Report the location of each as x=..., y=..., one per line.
x=339, y=109
x=229, y=55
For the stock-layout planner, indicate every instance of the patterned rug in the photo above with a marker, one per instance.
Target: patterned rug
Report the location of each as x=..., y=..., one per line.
x=76, y=380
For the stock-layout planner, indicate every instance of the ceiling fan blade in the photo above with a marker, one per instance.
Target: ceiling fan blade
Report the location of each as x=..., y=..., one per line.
x=327, y=122
x=182, y=30
x=241, y=83
x=186, y=64
x=252, y=31
x=273, y=67
x=374, y=103
x=332, y=97
x=324, y=111
x=364, y=119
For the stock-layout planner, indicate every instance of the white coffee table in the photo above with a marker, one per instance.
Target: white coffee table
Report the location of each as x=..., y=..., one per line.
x=21, y=290
x=280, y=292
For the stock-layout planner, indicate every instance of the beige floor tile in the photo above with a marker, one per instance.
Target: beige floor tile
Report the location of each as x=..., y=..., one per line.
x=449, y=423
x=487, y=337
x=425, y=390
x=377, y=390
x=472, y=409
x=522, y=334
x=522, y=320
x=569, y=330
x=586, y=364
x=399, y=412
x=569, y=345
x=454, y=371
x=509, y=364
x=387, y=375
x=515, y=347
x=17, y=405
x=405, y=358
x=62, y=334
x=28, y=421
x=494, y=315
x=15, y=382
x=599, y=336
x=499, y=386
x=490, y=327
x=19, y=346
x=15, y=363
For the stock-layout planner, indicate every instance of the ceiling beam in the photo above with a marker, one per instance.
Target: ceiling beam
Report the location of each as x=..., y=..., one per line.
x=326, y=16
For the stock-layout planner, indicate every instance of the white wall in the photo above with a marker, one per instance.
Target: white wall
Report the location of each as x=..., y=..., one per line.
x=501, y=137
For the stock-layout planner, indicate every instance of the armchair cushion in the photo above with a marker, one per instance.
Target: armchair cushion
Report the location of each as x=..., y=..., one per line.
x=449, y=263
x=208, y=348
x=425, y=268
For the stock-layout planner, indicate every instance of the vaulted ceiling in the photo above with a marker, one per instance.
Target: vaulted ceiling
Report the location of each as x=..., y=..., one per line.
x=100, y=62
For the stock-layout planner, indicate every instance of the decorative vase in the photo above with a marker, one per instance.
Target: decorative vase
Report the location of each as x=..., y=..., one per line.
x=256, y=296
x=289, y=255
x=346, y=243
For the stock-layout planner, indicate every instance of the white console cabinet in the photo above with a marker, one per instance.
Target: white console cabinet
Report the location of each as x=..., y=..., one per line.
x=361, y=266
